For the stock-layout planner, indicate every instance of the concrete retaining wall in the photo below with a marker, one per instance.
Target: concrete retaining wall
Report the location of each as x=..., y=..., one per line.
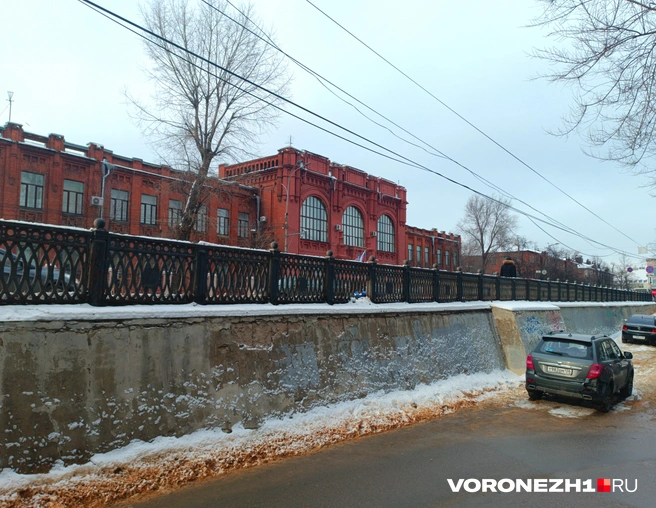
x=76, y=380
x=72, y=388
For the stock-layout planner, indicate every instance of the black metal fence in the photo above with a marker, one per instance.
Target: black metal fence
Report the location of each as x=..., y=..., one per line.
x=45, y=264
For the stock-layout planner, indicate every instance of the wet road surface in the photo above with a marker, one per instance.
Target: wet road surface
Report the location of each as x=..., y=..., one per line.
x=504, y=437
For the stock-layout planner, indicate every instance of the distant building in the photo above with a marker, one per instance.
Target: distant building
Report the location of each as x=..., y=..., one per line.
x=532, y=264
x=305, y=202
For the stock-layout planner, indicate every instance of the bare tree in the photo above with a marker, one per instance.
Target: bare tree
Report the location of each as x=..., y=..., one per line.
x=199, y=111
x=608, y=57
x=488, y=226
x=620, y=272
x=560, y=263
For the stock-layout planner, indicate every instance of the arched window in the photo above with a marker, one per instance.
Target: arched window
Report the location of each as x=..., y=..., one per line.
x=385, y=234
x=314, y=220
x=353, y=227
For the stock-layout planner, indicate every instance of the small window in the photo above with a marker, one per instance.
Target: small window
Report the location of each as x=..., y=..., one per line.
x=242, y=225
x=454, y=260
x=73, y=197
x=410, y=248
x=446, y=258
x=426, y=256
x=223, y=222
x=148, y=209
x=175, y=212
x=418, y=255
x=119, y=205
x=439, y=257
x=201, y=220
x=31, y=192
x=385, y=234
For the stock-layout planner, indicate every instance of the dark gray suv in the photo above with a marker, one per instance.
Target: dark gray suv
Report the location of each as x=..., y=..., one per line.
x=580, y=367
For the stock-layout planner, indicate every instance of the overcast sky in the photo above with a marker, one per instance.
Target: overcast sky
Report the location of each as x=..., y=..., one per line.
x=68, y=66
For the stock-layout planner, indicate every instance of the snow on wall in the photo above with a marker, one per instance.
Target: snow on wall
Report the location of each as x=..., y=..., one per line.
x=72, y=388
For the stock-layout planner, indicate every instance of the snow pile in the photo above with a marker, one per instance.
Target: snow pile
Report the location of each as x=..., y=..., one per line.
x=168, y=462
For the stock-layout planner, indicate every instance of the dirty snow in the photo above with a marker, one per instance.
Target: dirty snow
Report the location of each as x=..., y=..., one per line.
x=166, y=462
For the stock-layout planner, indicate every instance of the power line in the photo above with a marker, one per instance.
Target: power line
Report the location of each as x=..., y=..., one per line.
x=403, y=160
x=468, y=122
x=267, y=40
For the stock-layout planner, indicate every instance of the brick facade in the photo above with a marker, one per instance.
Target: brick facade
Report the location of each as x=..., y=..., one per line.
x=302, y=175
x=54, y=164
x=47, y=179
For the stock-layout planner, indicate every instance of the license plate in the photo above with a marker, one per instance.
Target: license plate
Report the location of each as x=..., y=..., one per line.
x=639, y=337
x=559, y=370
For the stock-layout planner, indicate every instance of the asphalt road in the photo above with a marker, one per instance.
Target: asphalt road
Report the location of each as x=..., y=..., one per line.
x=505, y=437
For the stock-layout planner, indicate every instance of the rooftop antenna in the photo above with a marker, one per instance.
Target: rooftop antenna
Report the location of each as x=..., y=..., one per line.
x=290, y=141
x=10, y=94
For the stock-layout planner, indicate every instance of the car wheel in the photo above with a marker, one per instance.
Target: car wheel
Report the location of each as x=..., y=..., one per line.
x=628, y=389
x=607, y=400
x=534, y=395
x=626, y=341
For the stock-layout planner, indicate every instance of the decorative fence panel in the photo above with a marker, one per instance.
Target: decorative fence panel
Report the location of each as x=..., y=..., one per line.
x=350, y=278
x=506, y=286
x=421, y=285
x=520, y=289
x=237, y=275
x=388, y=285
x=448, y=287
x=490, y=288
x=301, y=279
x=470, y=287
x=51, y=264
x=145, y=271
x=43, y=264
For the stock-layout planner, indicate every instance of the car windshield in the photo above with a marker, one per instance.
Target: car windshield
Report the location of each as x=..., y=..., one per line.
x=567, y=348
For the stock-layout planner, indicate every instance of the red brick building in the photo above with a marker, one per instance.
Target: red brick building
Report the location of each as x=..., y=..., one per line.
x=312, y=205
x=305, y=202
x=46, y=179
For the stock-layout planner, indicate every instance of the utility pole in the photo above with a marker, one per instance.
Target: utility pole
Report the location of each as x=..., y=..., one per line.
x=10, y=94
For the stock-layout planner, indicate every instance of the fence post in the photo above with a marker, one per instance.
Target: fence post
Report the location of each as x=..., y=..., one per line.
x=459, y=284
x=330, y=278
x=558, y=289
x=480, y=285
x=200, y=284
x=371, y=283
x=406, y=281
x=528, y=289
x=513, y=285
x=274, y=273
x=97, y=275
x=497, y=283
x=539, y=291
x=548, y=289
x=436, y=283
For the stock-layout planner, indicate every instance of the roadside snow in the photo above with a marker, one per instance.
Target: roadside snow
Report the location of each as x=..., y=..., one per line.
x=277, y=437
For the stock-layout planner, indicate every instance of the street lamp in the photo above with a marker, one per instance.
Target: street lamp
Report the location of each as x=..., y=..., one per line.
x=299, y=165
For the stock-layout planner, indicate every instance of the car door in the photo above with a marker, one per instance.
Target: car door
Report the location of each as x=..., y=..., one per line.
x=614, y=362
x=623, y=365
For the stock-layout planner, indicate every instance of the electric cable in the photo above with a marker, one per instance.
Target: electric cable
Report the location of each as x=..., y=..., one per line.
x=470, y=123
x=267, y=40
x=403, y=160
